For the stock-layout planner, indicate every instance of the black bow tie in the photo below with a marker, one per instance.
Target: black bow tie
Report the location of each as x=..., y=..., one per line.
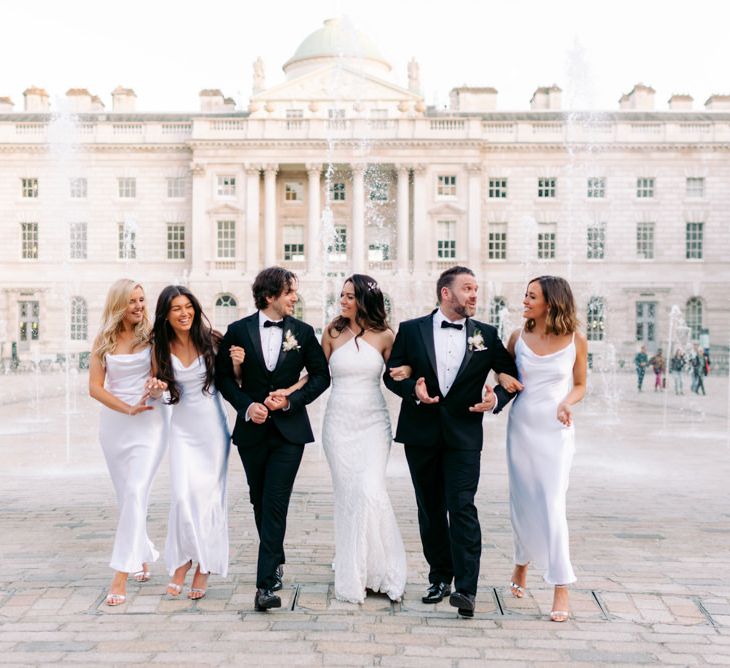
x=271, y=323
x=445, y=325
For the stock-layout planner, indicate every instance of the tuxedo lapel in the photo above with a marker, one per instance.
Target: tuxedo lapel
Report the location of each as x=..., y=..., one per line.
x=252, y=326
x=426, y=327
x=283, y=353
x=468, y=353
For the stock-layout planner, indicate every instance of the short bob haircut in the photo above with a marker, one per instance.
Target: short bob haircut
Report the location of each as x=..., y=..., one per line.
x=272, y=282
x=561, y=318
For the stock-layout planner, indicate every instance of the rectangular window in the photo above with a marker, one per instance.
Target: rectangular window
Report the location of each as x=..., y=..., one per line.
x=547, y=187
x=29, y=187
x=546, y=234
x=294, y=243
x=379, y=191
x=497, y=188
x=77, y=241
x=446, y=185
x=337, y=250
x=226, y=186
x=596, y=242
x=127, y=237
x=79, y=319
x=694, y=237
x=446, y=239
x=338, y=192
x=596, y=187
x=226, y=239
x=78, y=188
x=336, y=119
x=645, y=187
x=29, y=241
x=379, y=252
x=695, y=186
x=379, y=118
x=176, y=187
x=127, y=187
x=645, y=241
x=497, y=247
x=294, y=191
x=29, y=323
x=175, y=241
x=294, y=119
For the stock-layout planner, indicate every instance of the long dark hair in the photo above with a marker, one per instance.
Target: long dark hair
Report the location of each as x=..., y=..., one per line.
x=203, y=336
x=370, y=307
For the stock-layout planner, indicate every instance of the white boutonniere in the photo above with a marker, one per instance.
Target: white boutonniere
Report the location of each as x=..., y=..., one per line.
x=476, y=342
x=290, y=342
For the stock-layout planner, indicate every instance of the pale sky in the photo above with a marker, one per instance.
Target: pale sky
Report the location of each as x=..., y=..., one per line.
x=168, y=50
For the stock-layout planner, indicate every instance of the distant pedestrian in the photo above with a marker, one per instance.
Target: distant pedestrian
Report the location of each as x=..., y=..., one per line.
x=641, y=361
x=676, y=369
x=658, y=363
x=698, y=364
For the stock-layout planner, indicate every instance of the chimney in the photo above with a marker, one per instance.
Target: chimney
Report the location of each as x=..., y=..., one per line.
x=79, y=100
x=546, y=97
x=229, y=104
x=641, y=98
x=124, y=100
x=211, y=100
x=96, y=103
x=467, y=99
x=6, y=105
x=36, y=99
x=680, y=102
x=717, y=102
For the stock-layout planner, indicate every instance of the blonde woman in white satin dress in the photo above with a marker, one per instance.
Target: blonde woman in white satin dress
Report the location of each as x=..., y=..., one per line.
x=132, y=426
x=551, y=356
x=184, y=352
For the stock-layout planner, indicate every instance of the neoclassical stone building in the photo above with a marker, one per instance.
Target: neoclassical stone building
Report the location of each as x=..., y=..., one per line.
x=337, y=170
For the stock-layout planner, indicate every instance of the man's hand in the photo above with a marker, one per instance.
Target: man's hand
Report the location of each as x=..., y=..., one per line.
x=422, y=392
x=258, y=413
x=487, y=404
x=276, y=401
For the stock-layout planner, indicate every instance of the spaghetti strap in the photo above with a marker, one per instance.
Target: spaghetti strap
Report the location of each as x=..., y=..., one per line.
x=573, y=339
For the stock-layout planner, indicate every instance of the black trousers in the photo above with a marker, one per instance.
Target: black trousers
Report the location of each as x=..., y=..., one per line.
x=445, y=481
x=271, y=467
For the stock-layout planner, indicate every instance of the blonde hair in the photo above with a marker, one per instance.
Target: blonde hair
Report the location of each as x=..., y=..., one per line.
x=561, y=318
x=117, y=301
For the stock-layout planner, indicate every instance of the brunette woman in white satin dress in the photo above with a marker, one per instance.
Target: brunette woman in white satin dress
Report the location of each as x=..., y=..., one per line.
x=356, y=435
x=184, y=351
x=132, y=429
x=551, y=356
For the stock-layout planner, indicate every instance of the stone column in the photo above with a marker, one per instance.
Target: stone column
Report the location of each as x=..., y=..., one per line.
x=270, y=172
x=422, y=236
x=402, y=220
x=200, y=233
x=358, y=219
x=253, y=191
x=313, y=223
x=474, y=217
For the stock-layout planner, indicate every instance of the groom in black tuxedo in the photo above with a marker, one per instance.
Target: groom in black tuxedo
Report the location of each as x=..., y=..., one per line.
x=440, y=424
x=271, y=431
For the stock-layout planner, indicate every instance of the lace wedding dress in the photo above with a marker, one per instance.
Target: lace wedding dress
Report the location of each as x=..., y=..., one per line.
x=356, y=435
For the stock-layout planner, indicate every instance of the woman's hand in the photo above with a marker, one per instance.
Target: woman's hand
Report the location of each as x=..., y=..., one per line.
x=565, y=415
x=401, y=372
x=238, y=354
x=509, y=383
x=155, y=387
x=141, y=406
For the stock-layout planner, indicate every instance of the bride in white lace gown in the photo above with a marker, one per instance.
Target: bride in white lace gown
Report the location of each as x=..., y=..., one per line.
x=356, y=435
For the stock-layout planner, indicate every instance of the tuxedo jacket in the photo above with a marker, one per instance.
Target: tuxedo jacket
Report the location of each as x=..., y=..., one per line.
x=449, y=420
x=258, y=381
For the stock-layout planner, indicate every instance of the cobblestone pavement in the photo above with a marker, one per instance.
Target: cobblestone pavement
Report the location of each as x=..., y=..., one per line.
x=650, y=533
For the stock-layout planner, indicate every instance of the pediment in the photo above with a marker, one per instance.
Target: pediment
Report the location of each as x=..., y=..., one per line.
x=446, y=209
x=224, y=209
x=333, y=82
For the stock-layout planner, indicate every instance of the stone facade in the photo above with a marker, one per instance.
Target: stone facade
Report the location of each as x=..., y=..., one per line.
x=208, y=198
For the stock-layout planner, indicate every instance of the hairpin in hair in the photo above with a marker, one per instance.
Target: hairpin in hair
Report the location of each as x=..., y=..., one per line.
x=372, y=285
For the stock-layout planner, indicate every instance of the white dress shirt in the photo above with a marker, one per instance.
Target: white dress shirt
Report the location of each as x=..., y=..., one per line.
x=450, y=345
x=271, y=341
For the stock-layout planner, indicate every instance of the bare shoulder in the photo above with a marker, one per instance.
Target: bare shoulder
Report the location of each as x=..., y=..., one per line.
x=387, y=336
x=581, y=342
x=513, y=340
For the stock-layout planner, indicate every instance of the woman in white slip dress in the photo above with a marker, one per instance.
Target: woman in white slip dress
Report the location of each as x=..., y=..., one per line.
x=131, y=433
x=184, y=349
x=356, y=434
x=551, y=356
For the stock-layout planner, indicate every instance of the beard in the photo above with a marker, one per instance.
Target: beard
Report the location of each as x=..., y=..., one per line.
x=464, y=310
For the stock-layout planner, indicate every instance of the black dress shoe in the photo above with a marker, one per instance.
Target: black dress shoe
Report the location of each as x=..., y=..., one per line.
x=265, y=599
x=464, y=602
x=278, y=578
x=436, y=592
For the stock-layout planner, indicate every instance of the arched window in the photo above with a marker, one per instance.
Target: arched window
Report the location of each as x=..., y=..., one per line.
x=299, y=308
x=79, y=319
x=693, y=316
x=496, y=314
x=595, y=319
x=226, y=311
